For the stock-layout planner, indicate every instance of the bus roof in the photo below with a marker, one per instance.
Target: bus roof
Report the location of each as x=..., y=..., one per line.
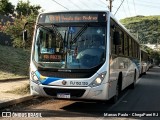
x=74, y=11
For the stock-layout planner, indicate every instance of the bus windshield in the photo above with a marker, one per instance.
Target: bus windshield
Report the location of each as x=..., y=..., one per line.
x=67, y=46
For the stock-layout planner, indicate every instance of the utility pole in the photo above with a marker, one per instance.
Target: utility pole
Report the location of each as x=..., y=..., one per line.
x=110, y=5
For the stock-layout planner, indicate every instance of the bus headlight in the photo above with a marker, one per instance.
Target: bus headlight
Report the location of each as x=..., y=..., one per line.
x=34, y=77
x=98, y=80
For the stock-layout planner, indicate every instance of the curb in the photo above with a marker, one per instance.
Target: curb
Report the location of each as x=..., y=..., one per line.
x=15, y=101
x=13, y=79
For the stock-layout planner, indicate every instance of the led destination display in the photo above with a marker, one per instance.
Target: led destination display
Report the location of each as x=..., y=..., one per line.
x=72, y=17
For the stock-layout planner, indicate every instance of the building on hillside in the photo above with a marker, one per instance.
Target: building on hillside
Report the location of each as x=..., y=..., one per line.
x=153, y=46
x=5, y=39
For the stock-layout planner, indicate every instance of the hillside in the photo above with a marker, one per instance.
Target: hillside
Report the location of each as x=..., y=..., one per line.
x=14, y=62
x=147, y=28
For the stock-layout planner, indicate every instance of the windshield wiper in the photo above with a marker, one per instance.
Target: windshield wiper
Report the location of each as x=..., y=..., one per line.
x=46, y=28
x=56, y=30
x=80, y=32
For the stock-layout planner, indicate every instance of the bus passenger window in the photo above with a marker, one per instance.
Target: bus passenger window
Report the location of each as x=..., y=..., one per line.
x=130, y=47
x=125, y=45
x=113, y=47
x=121, y=46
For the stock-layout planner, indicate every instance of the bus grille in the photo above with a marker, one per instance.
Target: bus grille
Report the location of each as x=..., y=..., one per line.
x=66, y=74
x=73, y=92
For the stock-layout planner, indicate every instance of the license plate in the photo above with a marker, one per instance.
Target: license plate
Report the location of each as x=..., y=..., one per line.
x=63, y=95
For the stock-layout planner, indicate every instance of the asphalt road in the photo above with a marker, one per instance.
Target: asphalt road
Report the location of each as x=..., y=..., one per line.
x=144, y=99
x=146, y=95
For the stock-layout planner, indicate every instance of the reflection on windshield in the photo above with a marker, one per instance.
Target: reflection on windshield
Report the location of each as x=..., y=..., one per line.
x=70, y=47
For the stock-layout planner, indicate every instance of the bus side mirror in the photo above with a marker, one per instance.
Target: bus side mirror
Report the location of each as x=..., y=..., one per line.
x=25, y=34
x=116, y=38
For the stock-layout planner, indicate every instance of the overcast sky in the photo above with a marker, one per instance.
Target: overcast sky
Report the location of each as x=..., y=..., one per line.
x=128, y=8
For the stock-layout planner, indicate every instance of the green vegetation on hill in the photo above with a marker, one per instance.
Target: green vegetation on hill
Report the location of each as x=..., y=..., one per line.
x=147, y=28
x=14, y=62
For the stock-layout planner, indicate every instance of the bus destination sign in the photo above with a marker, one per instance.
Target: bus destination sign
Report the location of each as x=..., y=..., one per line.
x=72, y=17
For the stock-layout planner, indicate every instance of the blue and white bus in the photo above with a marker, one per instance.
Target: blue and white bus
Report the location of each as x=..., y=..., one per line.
x=82, y=55
x=145, y=62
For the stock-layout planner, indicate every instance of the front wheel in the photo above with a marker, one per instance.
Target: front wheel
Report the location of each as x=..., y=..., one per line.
x=116, y=96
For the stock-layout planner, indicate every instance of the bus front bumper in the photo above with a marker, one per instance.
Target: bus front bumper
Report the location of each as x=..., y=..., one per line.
x=91, y=93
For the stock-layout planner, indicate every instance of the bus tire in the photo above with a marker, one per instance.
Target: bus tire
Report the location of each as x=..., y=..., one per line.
x=132, y=86
x=118, y=89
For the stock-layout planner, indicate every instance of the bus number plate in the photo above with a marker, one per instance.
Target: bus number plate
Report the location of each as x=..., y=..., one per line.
x=63, y=95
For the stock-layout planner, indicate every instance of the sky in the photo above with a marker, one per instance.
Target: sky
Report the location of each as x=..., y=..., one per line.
x=128, y=8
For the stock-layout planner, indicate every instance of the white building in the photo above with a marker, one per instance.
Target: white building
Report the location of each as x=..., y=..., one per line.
x=153, y=46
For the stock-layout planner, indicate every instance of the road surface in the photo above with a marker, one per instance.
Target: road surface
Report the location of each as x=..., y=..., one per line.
x=144, y=100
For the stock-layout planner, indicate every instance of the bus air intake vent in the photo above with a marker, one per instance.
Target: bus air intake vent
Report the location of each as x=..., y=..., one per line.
x=73, y=92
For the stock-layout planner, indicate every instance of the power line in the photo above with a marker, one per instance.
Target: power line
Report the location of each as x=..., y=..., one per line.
x=124, y=10
x=102, y=2
x=119, y=7
x=74, y=4
x=85, y=4
x=149, y=5
x=60, y=4
x=128, y=8
x=149, y=2
x=134, y=7
x=98, y=4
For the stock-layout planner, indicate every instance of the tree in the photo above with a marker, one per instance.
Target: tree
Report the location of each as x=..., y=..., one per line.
x=26, y=13
x=15, y=30
x=6, y=7
x=24, y=8
x=152, y=53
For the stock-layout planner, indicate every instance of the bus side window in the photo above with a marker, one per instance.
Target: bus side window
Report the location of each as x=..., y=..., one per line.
x=122, y=42
x=134, y=49
x=137, y=52
x=130, y=47
x=121, y=46
x=136, y=45
x=125, y=45
x=113, y=46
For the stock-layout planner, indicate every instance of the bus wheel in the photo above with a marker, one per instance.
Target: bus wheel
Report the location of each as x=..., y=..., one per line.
x=116, y=96
x=118, y=89
x=132, y=86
